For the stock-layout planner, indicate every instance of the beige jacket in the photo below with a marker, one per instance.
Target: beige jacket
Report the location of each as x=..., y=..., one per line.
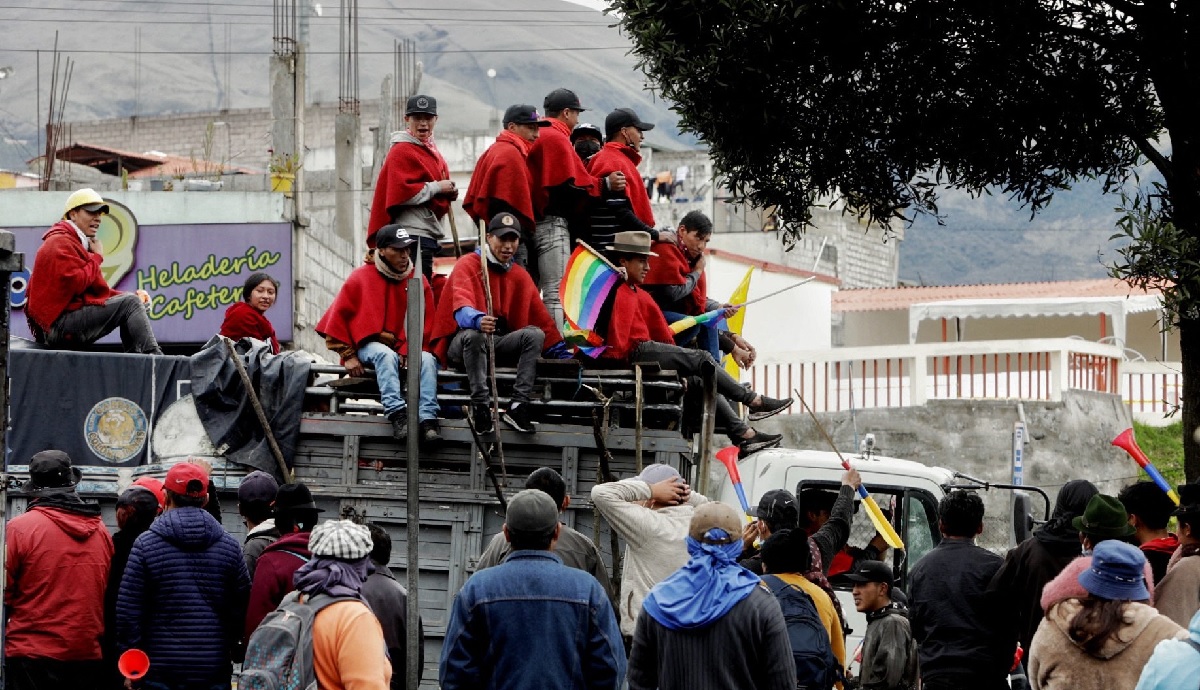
x=654, y=539
x=1178, y=595
x=1057, y=663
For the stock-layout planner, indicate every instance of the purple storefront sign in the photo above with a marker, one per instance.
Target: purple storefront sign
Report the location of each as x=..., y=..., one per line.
x=192, y=272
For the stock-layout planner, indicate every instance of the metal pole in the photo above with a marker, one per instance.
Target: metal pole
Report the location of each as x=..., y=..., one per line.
x=414, y=330
x=10, y=261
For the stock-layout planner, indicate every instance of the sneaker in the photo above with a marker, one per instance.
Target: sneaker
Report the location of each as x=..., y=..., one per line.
x=481, y=418
x=430, y=435
x=517, y=416
x=399, y=422
x=769, y=407
x=760, y=441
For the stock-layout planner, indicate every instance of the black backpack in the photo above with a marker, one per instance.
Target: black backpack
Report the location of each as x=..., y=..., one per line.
x=816, y=666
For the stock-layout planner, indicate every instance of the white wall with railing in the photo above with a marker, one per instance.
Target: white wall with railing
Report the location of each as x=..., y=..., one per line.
x=839, y=379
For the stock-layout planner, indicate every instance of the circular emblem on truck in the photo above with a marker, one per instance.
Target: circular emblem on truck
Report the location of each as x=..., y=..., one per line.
x=115, y=429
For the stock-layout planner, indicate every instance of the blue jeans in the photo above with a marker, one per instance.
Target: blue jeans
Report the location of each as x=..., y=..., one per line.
x=552, y=244
x=705, y=335
x=386, y=362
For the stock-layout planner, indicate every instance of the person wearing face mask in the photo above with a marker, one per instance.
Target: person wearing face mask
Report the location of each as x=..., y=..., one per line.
x=248, y=319
x=628, y=210
x=587, y=140
x=70, y=303
x=414, y=188
x=367, y=324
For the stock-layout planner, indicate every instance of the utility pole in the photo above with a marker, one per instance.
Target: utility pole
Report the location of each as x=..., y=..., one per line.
x=348, y=184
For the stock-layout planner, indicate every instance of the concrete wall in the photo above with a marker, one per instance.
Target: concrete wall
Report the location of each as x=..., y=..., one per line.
x=1070, y=440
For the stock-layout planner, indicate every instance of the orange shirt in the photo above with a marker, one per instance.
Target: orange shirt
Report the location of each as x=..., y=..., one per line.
x=348, y=649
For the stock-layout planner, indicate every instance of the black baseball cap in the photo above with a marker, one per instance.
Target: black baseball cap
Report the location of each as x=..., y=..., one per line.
x=871, y=571
x=426, y=105
x=624, y=117
x=779, y=508
x=524, y=115
x=504, y=223
x=394, y=235
x=560, y=99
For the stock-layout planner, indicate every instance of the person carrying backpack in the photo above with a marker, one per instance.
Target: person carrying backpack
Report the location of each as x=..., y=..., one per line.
x=889, y=652
x=814, y=627
x=322, y=634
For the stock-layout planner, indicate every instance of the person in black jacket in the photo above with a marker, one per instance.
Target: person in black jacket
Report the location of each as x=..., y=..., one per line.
x=955, y=620
x=389, y=602
x=889, y=653
x=137, y=507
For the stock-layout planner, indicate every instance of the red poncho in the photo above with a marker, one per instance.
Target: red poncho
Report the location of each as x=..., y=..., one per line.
x=514, y=298
x=636, y=319
x=369, y=305
x=614, y=157
x=65, y=277
x=502, y=174
x=244, y=321
x=405, y=171
x=671, y=268
x=554, y=163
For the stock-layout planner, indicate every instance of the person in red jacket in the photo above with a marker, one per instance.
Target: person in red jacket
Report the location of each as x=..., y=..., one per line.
x=58, y=555
x=637, y=332
x=248, y=318
x=629, y=210
x=501, y=182
x=414, y=188
x=295, y=516
x=70, y=303
x=563, y=192
x=367, y=324
x=518, y=320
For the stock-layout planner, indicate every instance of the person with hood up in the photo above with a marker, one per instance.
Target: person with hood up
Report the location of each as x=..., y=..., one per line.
x=414, y=189
x=348, y=648
x=889, y=652
x=295, y=516
x=1037, y=560
x=183, y=596
x=70, y=303
x=57, y=559
x=1104, y=639
x=711, y=624
x=1174, y=662
x=1178, y=595
x=137, y=507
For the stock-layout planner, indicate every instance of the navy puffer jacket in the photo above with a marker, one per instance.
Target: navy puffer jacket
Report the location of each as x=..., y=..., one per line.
x=183, y=599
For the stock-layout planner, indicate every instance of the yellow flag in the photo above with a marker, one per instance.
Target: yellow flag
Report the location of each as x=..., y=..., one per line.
x=735, y=324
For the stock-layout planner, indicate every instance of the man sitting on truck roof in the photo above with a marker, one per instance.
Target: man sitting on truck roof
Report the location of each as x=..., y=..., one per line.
x=638, y=332
x=512, y=313
x=70, y=302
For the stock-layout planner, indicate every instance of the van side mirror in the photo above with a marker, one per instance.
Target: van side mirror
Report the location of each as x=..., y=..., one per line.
x=1022, y=517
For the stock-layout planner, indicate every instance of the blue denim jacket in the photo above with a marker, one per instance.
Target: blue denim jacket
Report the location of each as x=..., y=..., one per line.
x=532, y=623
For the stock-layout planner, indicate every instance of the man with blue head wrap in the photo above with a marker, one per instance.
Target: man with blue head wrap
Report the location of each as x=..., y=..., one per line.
x=711, y=624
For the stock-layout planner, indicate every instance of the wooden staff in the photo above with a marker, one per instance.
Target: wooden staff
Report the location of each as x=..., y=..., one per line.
x=454, y=234
x=288, y=475
x=491, y=347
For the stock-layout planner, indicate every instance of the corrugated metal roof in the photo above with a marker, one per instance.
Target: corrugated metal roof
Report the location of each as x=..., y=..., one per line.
x=901, y=298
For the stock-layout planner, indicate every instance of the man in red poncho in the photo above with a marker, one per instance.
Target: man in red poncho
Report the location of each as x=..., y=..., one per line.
x=676, y=282
x=367, y=324
x=501, y=182
x=518, y=321
x=637, y=332
x=629, y=210
x=70, y=303
x=563, y=192
x=414, y=188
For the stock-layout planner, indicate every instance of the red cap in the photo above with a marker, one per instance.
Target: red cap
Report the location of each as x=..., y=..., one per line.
x=182, y=474
x=156, y=487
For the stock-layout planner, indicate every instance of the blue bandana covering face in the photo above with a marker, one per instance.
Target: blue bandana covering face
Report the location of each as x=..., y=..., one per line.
x=703, y=590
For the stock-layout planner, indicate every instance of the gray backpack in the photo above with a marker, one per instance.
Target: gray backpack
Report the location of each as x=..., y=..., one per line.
x=279, y=654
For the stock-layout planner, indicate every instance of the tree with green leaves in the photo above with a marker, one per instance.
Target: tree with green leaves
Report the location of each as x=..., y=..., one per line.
x=879, y=104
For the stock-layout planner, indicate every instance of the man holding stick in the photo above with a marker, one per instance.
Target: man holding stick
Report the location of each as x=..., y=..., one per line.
x=517, y=321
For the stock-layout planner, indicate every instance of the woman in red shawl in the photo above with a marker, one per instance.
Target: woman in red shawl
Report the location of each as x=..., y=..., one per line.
x=247, y=319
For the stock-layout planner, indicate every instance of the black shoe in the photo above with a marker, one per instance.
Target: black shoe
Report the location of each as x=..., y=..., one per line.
x=517, y=416
x=399, y=422
x=481, y=416
x=429, y=433
x=769, y=407
x=760, y=441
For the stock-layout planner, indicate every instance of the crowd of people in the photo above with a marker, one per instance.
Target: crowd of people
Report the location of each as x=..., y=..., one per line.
x=174, y=584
